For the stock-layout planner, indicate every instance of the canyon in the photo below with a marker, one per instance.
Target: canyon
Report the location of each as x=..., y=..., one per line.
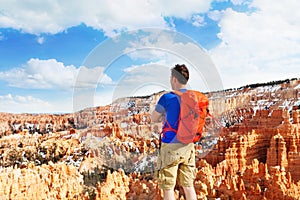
x=109, y=152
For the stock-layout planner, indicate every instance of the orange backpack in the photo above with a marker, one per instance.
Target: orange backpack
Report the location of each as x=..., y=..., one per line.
x=193, y=111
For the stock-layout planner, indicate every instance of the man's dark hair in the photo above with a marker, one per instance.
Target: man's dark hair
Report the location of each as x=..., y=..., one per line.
x=181, y=73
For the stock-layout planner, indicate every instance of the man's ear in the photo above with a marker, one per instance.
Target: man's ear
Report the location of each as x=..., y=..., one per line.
x=174, y=79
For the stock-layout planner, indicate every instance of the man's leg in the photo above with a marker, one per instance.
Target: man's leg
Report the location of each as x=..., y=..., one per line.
x=167, y=180
x=190, y=193
x=169, y=195
x=187, y=175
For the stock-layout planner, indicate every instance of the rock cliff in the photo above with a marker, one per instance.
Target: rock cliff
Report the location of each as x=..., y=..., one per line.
x=109, y=152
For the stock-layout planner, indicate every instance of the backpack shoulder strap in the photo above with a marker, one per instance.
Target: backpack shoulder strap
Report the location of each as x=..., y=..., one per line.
x=169, y=127
x=177, y=92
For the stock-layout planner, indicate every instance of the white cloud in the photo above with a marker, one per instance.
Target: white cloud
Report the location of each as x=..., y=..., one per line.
x=136, y=81
x=215, y=15
x=153, y=77
x=168, y=49
x=51, y=74
x=161, y=45
x=198, y=20
x=142, y=80
x=42, y=74
x=261, y=46
x=40, y=40
x=86, y=84
x=91, y=77
x=28, y=104
x=110, y=16
x=179, y=8
x=239, y=2
x=103, y=97
x=131, y=68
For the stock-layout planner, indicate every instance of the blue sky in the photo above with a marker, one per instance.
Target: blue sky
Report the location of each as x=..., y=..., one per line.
x=61, y=56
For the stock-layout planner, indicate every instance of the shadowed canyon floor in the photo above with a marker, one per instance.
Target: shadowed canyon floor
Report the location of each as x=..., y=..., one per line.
x=109, y=152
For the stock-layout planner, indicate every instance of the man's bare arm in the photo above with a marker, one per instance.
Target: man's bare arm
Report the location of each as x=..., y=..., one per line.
x=156, y=116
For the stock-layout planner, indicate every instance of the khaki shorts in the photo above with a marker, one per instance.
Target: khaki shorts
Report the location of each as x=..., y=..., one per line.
x=178, y=163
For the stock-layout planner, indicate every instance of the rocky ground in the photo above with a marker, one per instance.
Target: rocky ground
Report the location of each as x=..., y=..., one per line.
x=109, y=152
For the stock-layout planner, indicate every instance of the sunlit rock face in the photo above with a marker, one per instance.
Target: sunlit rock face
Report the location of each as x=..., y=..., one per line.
x=51, y=181
x=110, y=152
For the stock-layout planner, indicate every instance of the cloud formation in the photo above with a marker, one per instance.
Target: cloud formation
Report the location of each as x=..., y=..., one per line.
x=259, y=46
x=109, y=16
x=41, y=74
x=17, y=104
x=170, y=48
x=198, y=20
x=51, y=74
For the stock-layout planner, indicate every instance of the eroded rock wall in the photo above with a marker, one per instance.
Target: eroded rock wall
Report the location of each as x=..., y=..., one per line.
x=109, y=152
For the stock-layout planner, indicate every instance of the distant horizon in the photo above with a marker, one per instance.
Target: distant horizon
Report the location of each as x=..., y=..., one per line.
x=143, y=96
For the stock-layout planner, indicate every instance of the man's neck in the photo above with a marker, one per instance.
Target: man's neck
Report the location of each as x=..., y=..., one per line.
x=180, y=87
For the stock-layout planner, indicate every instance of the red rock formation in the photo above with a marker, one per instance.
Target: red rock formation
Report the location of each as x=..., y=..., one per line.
x=142, y=189
x=52, y=181
x=277, y=155
x=256, y=157
x=115, y=186
x=42, y=123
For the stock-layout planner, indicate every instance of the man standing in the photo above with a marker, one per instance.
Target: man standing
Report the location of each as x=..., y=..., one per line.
x=176, y=160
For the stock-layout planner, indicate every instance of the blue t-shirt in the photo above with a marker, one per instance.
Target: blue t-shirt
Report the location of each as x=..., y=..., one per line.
x=169, y=105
